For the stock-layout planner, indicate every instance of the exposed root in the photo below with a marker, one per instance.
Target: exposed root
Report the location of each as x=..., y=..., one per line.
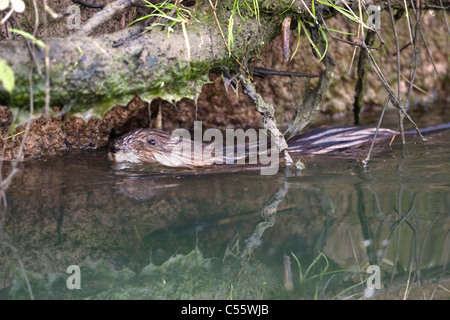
x=268, y=120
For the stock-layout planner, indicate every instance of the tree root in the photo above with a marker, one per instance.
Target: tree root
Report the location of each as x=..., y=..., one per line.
x=268, y=120
x=312, y=101
x=362, y=73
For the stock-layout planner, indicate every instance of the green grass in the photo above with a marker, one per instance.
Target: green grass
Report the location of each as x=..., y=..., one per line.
x=310, y=279
x=172, y=14
x=168, y=14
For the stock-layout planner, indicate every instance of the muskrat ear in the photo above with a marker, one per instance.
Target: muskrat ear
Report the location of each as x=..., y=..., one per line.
x=152, y=142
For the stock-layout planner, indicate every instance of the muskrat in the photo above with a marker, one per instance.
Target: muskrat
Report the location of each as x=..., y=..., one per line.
x=155, y=146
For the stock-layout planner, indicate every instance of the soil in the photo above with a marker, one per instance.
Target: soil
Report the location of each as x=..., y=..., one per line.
x=221, y=108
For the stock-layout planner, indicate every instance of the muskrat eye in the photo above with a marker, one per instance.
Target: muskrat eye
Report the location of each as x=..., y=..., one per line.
x=152, y=142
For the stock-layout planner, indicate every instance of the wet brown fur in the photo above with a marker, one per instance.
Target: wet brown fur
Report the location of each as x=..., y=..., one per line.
x=136, y=147
x=155, y=146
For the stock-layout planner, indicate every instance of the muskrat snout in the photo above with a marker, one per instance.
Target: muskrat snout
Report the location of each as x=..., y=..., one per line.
x=139, y=146
x=113, y=148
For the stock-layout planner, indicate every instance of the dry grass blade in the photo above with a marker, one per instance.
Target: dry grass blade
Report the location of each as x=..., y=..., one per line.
x=307, y=9
x=409, y=21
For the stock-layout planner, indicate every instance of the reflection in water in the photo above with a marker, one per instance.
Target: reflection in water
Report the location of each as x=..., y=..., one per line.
x=239, y=235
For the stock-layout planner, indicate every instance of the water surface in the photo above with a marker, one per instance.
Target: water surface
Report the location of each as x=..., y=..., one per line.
x=235, y=235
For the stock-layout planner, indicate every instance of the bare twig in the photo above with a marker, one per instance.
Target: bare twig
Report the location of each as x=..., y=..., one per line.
x=6, y=182
x=36, y=18
x=6, y=26
x=394, y=29
x=27, y=128
x=407, y=18
x=415, y=62
x=367, y=159
x=445, y=15
x=393, y=97
x=428, y=51
x=88, y=5
x=309, y=11
x=50, y=11
x=108, y=12
x=356, y=258
x=47, y=80
x=30, y=49
x=397, y=47
x=361, y=73
x=214, y=8
x=441, y=7
x=353, y=43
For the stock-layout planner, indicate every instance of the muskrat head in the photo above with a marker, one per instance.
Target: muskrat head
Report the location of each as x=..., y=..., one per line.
x=139, y=146
x=146, y=146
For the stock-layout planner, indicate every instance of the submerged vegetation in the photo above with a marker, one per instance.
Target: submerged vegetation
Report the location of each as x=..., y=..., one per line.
x=295, y=238
x=178, y=278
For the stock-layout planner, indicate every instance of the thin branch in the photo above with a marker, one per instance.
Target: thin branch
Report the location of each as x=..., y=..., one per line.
x=309, y=11
x=47, y=80
x=88, y=5
x=397, y=50
x=407, y=18
x=214, y=8
x=403, y=48
x=367, y=159
x=27, y=128
x=352, y=43
x=108, y=12
x=6, y=26
x=394, y=28
x=393, y=97
x=50, y=11
x=262, y=73
x=36, y=18
x=4, y=183
x=361, y=74
x=445, y=15
x=428, y=50
x=441, y=7
x=413, y=72
x=30, y=50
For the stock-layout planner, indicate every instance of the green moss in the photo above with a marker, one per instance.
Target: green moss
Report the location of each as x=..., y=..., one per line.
x=182, y=80
x=79, y=87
